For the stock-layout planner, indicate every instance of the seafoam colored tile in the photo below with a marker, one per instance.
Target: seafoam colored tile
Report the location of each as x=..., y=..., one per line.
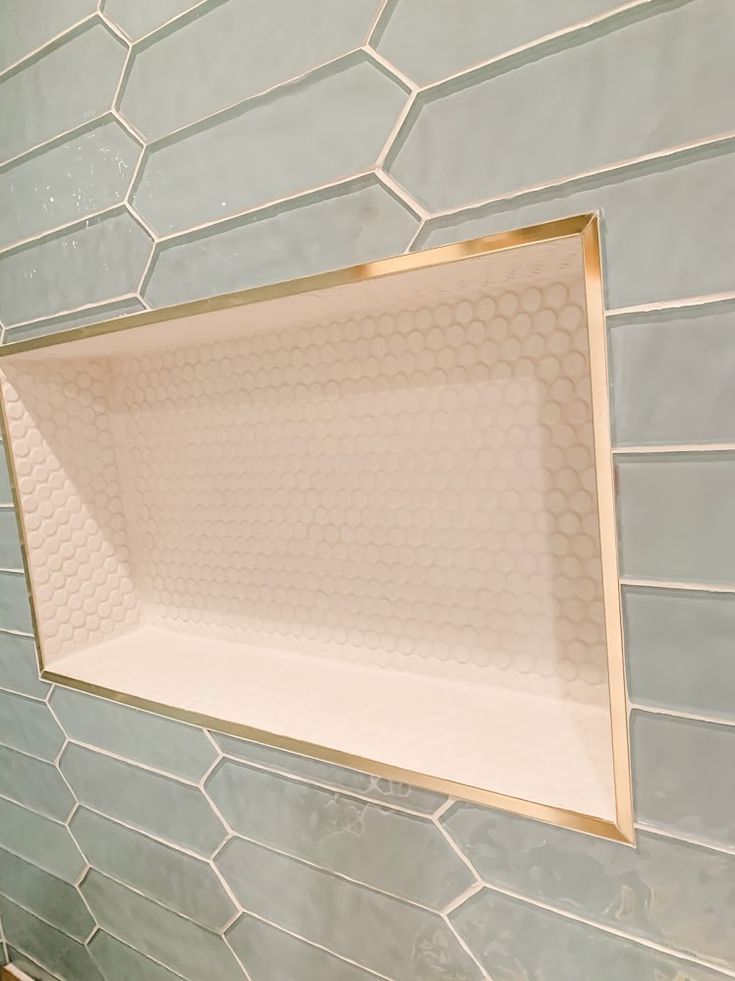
x=6, y=494
x=118, y=962
x=684, y=776
x=377, y=788
x=270, y=954
x=32, y=968
x=671, y=892
x=142, y=737
x=90, y=264
x=318, y=232
x=35, y=22
x=566, y=128
x=10, y=557
x=428, y=41
x=185, y=947
x=89, y=315
x=672, y=376
x=77, y=77
x=376, y=931
x=167, y=808
x=40, y=840
x=15, y=610
x=35, y=784
x=668, y=227
x=85, y=174
x=516, y=942
x=51, y=948
x=255, y=51
x=18, y=666
x=677, y=517
x=139, y=17
x=53, y=900
x=398, y=853
x=313, y=121
x=680, y=650
x=176, y=880
x=26, y=724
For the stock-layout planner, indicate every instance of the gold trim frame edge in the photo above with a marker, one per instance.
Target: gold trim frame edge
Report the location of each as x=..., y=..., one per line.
x=587, y=227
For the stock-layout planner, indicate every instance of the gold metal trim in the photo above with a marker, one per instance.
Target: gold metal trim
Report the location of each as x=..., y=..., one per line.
x=586, y=226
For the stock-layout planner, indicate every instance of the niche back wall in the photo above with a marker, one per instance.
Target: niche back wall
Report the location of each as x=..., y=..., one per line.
x=153, y=153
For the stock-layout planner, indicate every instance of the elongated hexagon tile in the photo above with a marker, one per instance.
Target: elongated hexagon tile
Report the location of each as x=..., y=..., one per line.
x=677, y=517
x=663, y=628
x=381, y=790
x=77, y=76
x=26, y=724
x=399, y=940
x=179, y=749
x=178, y=881
x=10, y=555
x=35, y=784
x=671, y=892
x=56, y=902
x=255, y=51
x=167, y=808
x=567, y=128
x=674, y=788
x=138, y=17
x=88, y=173
x=37, y=21
x=399, y=853
x=119, y=962
x=6, y=494
x=52, y=949
x=20, y=960
x=180, y=944
x=429, y=41
x=270, y=954
x=39, y=840
x=18, y=666
x=15, y=610
x=515, y=941
x=313, y=121
x=89, y=315
x=315, y=233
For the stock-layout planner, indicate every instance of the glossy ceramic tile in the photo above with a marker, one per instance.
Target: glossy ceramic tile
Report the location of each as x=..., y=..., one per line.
x=15, y=612
x=10, y=557
x=32, y=968
x=34, y=783
x=90, y=315
x=677, y=518
x=6, y=494
x=18, y=666
x=367, y=785
x=101, y=260
x=668, y=227
x=56, y=902
x=269, y=954
x=165, y=807
x=517, y=942
x=255, y=51
x=684, y=776
x=26, y=724
x=48, y=946
x=176, y=880
x=77, y=77
x=188, y=949
x=673, y=893
x=567, y=129
x=429, y=41
x=398, y=853
x=118, y=962
x=680, y=651
x=672, y=377
x=35, y=22
x=181, y=750
x=140, y=17
x=404, y=942
x=313, y=234
x=313, y=121
x=39, y=840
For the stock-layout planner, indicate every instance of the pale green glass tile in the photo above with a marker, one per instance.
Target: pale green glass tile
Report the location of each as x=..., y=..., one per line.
x=10, y=556
x=6, y=495
x=38, y=839
x=139, y=17
x=118, y=962
x=53, y=949
x=34, y=22
x=53, y=900
x=26, y=724
x=15, y=610
x=19, y=667
x=92, y=315
x=35, y=784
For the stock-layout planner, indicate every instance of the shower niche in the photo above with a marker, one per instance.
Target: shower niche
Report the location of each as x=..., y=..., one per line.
x=366, y=516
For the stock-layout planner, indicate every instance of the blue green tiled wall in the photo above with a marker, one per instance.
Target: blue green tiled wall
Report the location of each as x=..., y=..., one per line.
x=157, y=152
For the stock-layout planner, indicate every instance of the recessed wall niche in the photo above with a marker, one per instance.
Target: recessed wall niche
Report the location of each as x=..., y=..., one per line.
x=366, y=516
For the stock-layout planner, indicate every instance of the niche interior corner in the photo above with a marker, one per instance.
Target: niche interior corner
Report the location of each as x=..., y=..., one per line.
x=366, y=516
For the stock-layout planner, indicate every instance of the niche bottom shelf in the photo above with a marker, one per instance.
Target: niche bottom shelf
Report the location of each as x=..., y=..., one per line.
x=514, y=743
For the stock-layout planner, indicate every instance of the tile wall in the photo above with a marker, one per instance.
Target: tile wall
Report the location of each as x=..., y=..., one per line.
x=156, y=152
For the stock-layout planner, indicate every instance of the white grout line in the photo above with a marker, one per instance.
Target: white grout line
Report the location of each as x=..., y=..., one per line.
x=125, y=941
x=395, y=130
x=69, y=313
x=24, y=694
x=17, y=633
x=114, y=28
x=368, y=40
x=136, y=216
x=32, y=958
x=391, y=68
x=162, y=27
x=401, y=193
x=30, y=55
x=15, y=572
x=685, y=838
x=134, y=133
x=59, y=139
x=146, y=273
x=673, y=448
x=701, y=587
x=678, y=304
x=237, y=959
x=134, y=763
x=681, y=714
x=79, y=223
